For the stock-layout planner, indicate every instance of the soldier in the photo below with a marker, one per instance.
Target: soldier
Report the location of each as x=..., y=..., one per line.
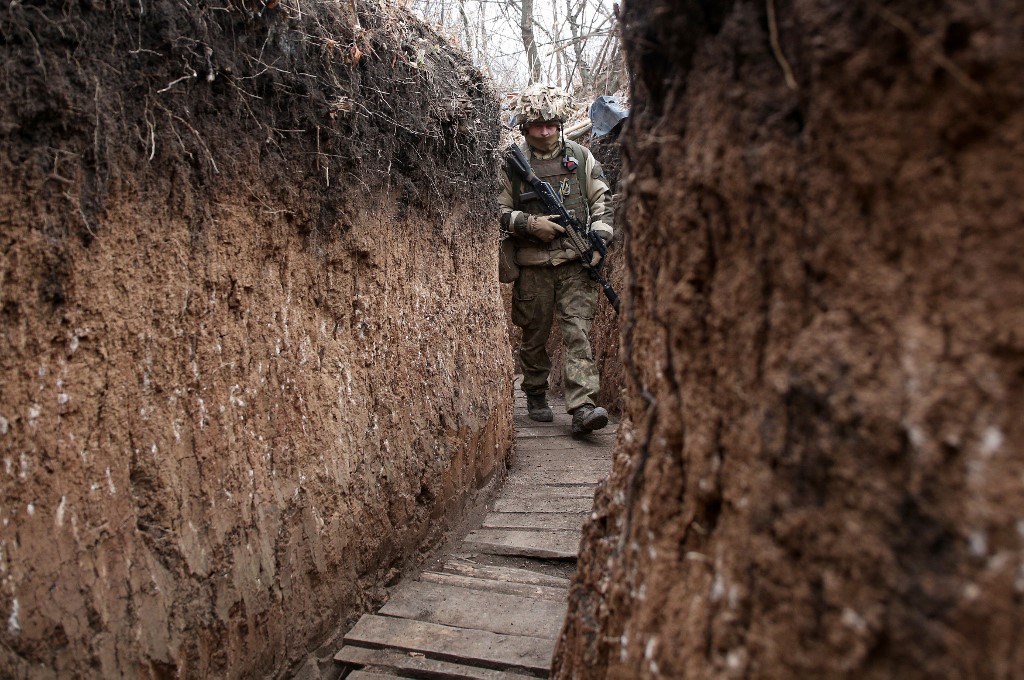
x=552, y=280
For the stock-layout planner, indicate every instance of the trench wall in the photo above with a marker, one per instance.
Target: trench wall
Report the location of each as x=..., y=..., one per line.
x=821, y=471
x=250, y=328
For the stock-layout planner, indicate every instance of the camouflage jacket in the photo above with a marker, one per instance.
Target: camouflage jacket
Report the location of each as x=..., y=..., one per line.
x=589, y=203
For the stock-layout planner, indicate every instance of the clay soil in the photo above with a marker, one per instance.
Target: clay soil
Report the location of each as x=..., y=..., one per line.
x=821, y=470
x=249, y=364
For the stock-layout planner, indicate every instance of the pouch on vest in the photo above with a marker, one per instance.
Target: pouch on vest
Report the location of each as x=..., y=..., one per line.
x=508, y=270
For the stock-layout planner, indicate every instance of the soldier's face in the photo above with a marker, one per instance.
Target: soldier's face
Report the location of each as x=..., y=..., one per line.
x=542, y=135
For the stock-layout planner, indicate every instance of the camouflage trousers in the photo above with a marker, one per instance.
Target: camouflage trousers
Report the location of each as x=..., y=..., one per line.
x=538, y=295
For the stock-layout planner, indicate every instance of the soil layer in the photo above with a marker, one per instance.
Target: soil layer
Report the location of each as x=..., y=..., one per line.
x=249, y=358
x=821, y=472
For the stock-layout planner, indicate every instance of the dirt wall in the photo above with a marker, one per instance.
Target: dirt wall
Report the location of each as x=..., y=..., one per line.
x=821, y=471
x=604, y=335
x=249, y=361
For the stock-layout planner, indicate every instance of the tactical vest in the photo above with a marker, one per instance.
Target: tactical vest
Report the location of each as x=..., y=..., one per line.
x=569, y=185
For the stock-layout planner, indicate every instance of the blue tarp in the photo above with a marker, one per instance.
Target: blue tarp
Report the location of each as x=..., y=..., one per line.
x=606, y=113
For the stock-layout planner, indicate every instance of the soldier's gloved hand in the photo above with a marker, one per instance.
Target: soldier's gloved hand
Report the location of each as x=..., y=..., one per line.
x=543, y=227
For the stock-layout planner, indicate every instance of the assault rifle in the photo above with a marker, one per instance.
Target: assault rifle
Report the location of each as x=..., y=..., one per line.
x=584, y=241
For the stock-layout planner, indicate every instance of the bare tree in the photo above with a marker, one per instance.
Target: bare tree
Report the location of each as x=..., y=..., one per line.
x=529, y=41
x=574, y=11
x=481, y=40
x=555, y=69
x=465, y=26
x=571, y=43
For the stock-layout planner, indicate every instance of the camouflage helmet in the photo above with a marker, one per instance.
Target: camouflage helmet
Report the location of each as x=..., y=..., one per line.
x=540, y=102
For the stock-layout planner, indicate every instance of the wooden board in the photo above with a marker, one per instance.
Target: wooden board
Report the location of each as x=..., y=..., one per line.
x=454, y=644
x=565, y=443
x=555, y=461
x=471, y=621
x=533, y=450
x=563, y=431
x=542, y=504
x=560, y=431
x=538, y=473
x=466, y=567
x=366, y=675
x=522, y=419
x=577, y=475
x=535, y=521
x=480, y=609
x=520, y=589
x=535, y=488
x=544, y=444
x=537, y=463
x=558, y=545
x=525, y=470
x=548, y=471
x=414, y=663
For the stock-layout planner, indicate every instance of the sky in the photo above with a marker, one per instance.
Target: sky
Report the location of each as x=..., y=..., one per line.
x=500, y=52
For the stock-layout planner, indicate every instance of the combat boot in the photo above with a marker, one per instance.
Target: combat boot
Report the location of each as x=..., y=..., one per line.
x=537, y=408
x=588, y=418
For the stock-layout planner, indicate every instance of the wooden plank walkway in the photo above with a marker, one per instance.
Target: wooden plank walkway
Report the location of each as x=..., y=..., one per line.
x=495, y=607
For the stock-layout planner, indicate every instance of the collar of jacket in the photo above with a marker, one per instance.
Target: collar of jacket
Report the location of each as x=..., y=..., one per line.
x=545, y=156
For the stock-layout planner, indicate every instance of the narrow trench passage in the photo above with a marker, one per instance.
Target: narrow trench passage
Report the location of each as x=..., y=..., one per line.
x=496, y=605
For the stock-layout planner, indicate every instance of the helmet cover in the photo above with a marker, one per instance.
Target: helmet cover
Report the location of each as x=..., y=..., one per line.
x=541, y=103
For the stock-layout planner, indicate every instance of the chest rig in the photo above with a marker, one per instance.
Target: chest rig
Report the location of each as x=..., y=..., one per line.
x=567, y=179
